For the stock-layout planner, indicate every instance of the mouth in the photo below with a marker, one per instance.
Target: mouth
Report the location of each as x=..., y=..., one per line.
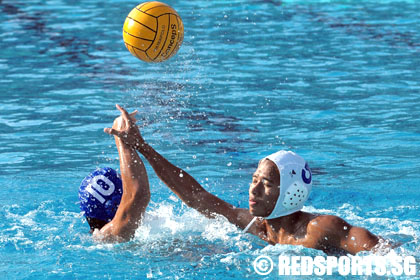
x=252, y=202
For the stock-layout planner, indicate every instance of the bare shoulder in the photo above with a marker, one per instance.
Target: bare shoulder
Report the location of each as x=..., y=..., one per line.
x=326, y=230
x=333, y=225
x=334, y=231
x=329, y=223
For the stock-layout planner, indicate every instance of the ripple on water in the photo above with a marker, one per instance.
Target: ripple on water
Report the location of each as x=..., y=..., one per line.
x=336, y=82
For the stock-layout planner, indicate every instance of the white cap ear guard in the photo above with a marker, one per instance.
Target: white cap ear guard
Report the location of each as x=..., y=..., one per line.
x=295, y=183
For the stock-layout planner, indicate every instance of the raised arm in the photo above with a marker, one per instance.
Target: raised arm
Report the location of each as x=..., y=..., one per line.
x=191, y=192
x=136, y=193
x=180, y=182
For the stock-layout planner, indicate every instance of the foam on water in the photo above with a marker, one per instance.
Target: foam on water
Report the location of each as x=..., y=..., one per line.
x=181, y=234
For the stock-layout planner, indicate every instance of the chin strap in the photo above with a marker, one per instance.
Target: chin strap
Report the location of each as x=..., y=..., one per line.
x=249, y=225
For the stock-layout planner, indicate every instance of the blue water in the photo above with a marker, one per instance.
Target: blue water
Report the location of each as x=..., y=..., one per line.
x=336, y=81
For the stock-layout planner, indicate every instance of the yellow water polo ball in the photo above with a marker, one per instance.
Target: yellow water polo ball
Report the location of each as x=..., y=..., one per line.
x=153, y=32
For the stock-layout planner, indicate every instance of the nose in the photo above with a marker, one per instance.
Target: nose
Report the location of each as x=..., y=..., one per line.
x=255, y=188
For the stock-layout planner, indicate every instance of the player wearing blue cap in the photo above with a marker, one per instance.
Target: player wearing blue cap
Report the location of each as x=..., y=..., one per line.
x=100, y=195
x=112, y=204
x=280, y=186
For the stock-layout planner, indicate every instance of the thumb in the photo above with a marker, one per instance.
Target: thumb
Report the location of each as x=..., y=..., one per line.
x=132, y=114
x=112, y=131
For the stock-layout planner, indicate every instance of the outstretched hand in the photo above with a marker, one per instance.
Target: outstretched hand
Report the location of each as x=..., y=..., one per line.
x=126, y=129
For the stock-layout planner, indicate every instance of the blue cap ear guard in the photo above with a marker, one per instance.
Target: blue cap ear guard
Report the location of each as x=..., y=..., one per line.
x=100, y=194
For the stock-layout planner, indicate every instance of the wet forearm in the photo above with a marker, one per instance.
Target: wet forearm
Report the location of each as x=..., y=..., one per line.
x=179, y=181
x=133, y=171
x=189, y=190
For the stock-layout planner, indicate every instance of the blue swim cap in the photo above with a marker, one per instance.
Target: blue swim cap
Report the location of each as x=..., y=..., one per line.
x=100, y=194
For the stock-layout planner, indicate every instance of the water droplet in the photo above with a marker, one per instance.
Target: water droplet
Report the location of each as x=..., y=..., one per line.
x=345, y=228
x=207, y=179
x=326, y=238
x=181, y=175
x=353, y=238
x=229, y=164
x=194, y=156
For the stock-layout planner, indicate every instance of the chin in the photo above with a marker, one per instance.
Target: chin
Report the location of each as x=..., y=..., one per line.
x=255, y=212
x=259, y=212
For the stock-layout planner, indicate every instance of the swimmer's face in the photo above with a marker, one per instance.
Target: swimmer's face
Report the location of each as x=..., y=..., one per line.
x=264, y=189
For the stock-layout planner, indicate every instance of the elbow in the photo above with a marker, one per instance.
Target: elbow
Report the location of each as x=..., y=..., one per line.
x=141, y=193
x=196, y=200
x=360, y=239
x=200, y=202
x=141, y=197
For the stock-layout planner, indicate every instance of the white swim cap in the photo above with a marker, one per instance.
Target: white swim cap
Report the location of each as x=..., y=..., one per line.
x=295, y=183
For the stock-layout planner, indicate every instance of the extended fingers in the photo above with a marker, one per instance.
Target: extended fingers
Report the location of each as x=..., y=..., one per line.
x=124, y=113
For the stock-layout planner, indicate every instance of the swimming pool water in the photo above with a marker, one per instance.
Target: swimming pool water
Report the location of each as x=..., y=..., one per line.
x=336, y=81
